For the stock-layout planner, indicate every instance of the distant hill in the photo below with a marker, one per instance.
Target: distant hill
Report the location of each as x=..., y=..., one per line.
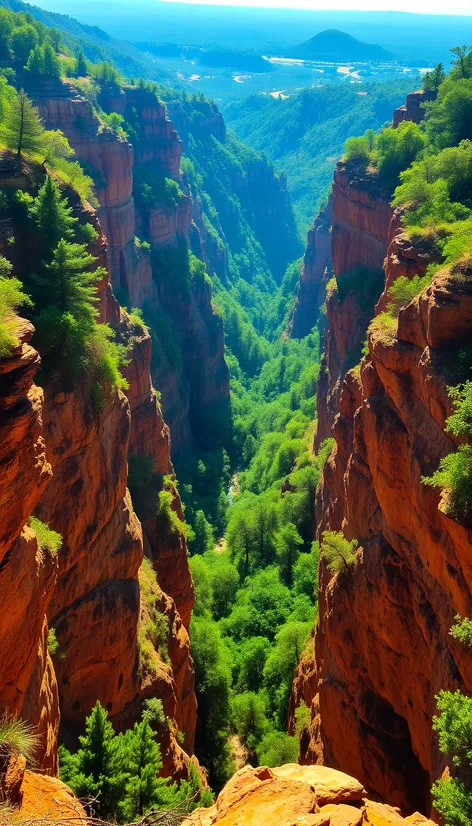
x=336, y=46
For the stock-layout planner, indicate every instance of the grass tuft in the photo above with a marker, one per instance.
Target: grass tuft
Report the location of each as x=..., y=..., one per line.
x=48, y=540
x=18, y=737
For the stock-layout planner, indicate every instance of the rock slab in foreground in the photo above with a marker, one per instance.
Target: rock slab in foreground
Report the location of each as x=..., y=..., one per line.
x=294, y=795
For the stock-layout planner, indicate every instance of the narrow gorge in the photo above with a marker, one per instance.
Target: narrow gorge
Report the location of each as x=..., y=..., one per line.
x=235, y=570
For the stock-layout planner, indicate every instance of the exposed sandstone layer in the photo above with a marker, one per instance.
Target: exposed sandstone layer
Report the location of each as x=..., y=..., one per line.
x=413, y=107
x=294, y=795
x=34, y=797
x=314, y=274
x=382, y=645
x=27, y=574
x=361, y=220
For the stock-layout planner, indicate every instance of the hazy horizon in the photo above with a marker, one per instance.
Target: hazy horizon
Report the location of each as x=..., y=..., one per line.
x=456, y=7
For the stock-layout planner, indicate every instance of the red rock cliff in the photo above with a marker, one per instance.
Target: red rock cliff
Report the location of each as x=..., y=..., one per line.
x=112, y=162
x=382, y=648
x=360, y=226
x=67, y=462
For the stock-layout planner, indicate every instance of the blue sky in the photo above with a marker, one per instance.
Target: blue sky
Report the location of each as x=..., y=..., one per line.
x=421, y=6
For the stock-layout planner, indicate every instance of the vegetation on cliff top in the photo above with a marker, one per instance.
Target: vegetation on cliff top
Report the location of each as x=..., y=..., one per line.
x=427, y=169
x=61, y=280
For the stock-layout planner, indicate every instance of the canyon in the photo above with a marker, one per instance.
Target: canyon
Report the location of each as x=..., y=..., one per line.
x=66, y=463
x=81, y=623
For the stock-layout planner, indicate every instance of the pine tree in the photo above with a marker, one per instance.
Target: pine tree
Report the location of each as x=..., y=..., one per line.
x=35, y=63
x=95, y=771
x=52, y=66
x=144, y=790
x=22, y=129
x=80, y=64
x=433, y=79
x=67, y=322
x=52, y=217
x=72, y=287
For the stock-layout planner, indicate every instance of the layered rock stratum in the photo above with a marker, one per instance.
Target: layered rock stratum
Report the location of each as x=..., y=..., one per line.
x=382, y=648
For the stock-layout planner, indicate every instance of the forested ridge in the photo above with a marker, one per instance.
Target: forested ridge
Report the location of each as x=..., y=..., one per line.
x=304, y=132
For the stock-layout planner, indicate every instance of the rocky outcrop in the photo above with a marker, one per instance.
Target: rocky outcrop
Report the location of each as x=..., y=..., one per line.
x=294, y=795
x=382, y=647
x=34, y=796
x=27, y=573
x=413, y=107
x=360, y=229
x=315, y=272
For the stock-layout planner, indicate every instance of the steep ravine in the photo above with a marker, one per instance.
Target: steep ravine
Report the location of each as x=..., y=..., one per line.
x=382, y=648
x=67, y=461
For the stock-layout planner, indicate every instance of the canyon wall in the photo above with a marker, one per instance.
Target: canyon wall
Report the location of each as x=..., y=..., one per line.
x=188, y=366
x=360, y=225
x=65, y=461
x=314, y=274
x=382, y=648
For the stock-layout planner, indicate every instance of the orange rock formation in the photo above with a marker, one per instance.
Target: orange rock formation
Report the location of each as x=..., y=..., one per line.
x=382, y=648
x=294, y=795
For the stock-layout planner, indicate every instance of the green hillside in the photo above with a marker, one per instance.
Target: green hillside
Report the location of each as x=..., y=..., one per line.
x=304, y=134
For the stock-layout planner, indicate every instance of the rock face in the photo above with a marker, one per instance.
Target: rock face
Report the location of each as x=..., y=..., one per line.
x=38, y=796
x=413, y=108
x=360, y=229
x=382, y=647
x=200, y=380
x=315, y=269
x=67, y=462
x=294, y=795
x=27, y=575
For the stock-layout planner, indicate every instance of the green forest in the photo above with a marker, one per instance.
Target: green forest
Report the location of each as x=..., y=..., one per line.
x=304, y=133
